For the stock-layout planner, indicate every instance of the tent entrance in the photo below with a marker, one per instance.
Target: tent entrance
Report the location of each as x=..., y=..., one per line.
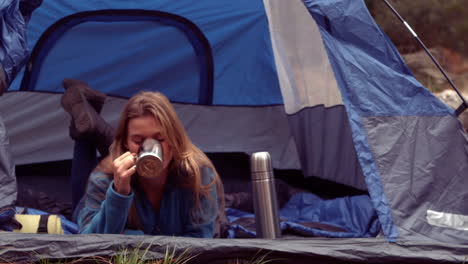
x=109, y=49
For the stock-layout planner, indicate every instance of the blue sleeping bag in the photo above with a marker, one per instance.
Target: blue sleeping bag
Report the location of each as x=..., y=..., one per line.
x=306, y=214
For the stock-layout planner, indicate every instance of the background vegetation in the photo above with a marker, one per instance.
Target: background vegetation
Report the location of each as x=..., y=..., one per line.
x=437, y=23
x=442, y=25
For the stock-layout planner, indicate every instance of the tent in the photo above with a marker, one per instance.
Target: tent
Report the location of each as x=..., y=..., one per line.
x=315, y=83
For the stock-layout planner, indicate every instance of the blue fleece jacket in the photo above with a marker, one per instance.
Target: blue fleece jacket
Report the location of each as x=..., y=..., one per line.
x=106, y=211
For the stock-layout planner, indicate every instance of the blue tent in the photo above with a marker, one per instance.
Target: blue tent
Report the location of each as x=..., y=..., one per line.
x=315, y=83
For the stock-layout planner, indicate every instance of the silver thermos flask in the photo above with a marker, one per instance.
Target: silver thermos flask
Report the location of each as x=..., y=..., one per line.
x=264, y=196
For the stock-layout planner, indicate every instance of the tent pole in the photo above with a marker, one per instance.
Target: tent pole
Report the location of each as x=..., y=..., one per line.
x=464, y=104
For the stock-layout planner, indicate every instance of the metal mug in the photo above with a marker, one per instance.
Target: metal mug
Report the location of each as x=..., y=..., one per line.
x=150, y=158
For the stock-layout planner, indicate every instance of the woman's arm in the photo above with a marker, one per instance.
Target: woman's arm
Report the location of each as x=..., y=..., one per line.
x=105, y=211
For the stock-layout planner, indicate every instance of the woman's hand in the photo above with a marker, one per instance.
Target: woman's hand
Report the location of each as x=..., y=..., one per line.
x=124, y=168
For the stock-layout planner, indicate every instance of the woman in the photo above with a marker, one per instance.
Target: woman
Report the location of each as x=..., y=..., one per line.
x=184, y=199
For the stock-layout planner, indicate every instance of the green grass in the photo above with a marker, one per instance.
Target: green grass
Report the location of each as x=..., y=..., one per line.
x=130, y=256
x=139, y=256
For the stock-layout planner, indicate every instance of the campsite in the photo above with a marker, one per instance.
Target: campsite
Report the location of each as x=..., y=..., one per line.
x=370, y=165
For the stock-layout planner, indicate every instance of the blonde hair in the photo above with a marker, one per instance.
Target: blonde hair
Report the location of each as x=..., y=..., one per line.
x=187, y=158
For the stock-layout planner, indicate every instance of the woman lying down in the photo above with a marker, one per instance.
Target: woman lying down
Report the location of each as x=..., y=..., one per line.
x=181, y=196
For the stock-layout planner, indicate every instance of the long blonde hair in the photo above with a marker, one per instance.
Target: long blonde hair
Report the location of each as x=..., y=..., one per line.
x=188, y=159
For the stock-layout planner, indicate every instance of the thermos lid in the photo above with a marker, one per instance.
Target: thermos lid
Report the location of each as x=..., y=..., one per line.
x=260, y=162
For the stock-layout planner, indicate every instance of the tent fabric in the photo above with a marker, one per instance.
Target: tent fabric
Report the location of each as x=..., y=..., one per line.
x=164, y=32
x=367, y=59
x=7, y=170
x=326, y=149
x=304, y=70
x=234, y=129
x=438, y=171
x=13, y=54
x=266, y=99
x=311, y=96
x=3, y=81
x=13, y=47
x=366, y=69
x=306, y=214
x=310, y=250
x=245, y=72
x=7, y=219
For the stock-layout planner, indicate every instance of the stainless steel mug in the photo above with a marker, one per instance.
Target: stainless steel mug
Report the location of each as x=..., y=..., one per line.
x=150, y=158
x=264, y=196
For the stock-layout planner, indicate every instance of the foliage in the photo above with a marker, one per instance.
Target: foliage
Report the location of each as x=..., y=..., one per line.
x=436, y=22
x=131, y=256
x=139, y=256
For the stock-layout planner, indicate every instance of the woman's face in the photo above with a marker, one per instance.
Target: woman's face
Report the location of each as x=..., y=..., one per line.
x=141, y=128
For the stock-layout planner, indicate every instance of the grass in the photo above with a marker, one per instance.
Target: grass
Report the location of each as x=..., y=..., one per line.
x=260, y=259
x=139, y=256
x=130, y=256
